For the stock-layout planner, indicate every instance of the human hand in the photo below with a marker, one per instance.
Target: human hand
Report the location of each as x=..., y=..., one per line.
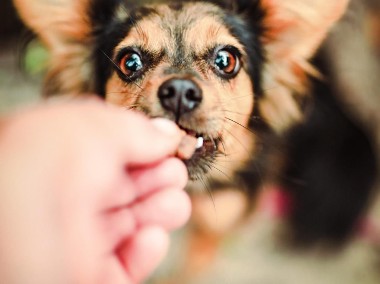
x=88, y=194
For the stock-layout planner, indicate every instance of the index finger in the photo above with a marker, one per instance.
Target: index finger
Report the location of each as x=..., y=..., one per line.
x=146, y=141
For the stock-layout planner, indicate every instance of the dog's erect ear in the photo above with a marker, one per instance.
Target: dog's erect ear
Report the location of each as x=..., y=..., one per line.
x=294, y=29
x=56, y=22
x=64, y=28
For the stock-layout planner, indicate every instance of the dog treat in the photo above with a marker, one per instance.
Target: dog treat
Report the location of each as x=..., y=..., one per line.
x=200, y=141
x=187, y=147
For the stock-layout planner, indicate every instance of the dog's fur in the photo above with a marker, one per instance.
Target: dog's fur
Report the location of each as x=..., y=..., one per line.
x=276, y=117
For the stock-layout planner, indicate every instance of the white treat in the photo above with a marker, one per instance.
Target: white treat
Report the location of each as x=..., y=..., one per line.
x=199, y=142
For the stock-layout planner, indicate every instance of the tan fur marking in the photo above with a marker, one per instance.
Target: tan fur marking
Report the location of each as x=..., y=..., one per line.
x=207, y=32
x=147, y=35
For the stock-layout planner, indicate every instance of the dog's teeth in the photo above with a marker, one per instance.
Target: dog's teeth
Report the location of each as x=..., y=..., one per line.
x=199, y=142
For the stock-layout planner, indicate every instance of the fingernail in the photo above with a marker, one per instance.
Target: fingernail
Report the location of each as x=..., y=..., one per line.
x=166, y=126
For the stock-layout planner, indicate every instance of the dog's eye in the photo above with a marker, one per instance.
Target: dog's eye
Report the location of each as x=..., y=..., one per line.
x=131, y=63
x=227, y=63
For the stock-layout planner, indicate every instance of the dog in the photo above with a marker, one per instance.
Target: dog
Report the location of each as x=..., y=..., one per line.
x=247, y=77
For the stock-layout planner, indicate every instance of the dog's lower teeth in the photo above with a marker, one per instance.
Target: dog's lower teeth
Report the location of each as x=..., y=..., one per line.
x=199, y=142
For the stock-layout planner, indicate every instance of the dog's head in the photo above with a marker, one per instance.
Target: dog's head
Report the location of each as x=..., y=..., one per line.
x=184, y=62
x=211, y=66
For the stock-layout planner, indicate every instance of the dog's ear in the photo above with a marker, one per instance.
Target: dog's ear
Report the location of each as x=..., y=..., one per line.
x=66, y=27
x=56, y=22
x=293, y=31
x=296, y=28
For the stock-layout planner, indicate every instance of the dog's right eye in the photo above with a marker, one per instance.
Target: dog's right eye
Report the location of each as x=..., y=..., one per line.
x=131, y=63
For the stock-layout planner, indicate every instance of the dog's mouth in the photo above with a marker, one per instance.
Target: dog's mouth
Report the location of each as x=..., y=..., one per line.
x=204, y=155
x=205, y=143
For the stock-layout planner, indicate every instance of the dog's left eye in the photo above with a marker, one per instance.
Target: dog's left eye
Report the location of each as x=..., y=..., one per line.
x=131, y=63
x=227, y=63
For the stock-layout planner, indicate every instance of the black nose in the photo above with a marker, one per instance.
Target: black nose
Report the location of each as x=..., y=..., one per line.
x=180, y=96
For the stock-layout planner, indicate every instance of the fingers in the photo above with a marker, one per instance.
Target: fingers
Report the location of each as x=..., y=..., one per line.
x=143, y=250
x=170, y=173
x=148, y=141
x=142, y=182
x=170, y=209
x=134, y=137
x=143, y=253
x=158, y=199
x=161, y=199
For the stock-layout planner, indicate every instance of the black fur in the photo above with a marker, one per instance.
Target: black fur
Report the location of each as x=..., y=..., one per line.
x=331, y=169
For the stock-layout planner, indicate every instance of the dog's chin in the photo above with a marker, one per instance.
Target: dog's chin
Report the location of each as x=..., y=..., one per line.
x=203, y=158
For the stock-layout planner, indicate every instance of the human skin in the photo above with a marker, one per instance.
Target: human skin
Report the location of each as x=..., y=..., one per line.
x=88, y=194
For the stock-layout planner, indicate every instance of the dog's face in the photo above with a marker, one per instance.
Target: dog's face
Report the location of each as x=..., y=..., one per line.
x=183, y=63
x=210, y=66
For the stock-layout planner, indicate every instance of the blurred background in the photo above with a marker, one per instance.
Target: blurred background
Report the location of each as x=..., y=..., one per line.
x=19, y=82
x=252, y=253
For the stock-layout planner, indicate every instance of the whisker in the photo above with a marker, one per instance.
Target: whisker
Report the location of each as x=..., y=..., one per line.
x=224, y=166
x=222, y=172
x=224, y=147
x=209, y=192
x=240, y=113
x=234, y=112
x=213, y=142
x=241, y=144
x=241, y=125
x=114, y=63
